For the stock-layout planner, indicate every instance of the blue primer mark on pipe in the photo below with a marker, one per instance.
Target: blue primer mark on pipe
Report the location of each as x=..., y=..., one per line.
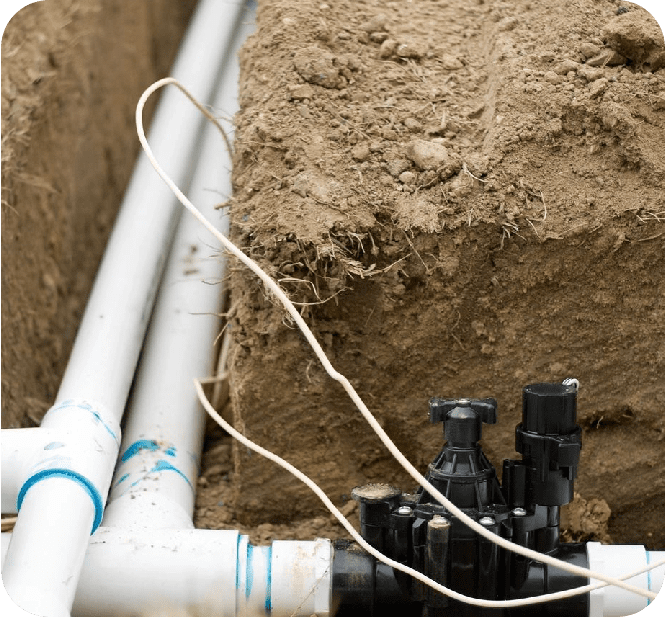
x=250, y=570
x=163, y=465
x=54, y=445
x=648, y=575
x=106, y=426
x=137, y=446
x=90, y=488
x=122, y=479
x=238, y=563
x=269, y=581
x=170, y=451
x=86, y=407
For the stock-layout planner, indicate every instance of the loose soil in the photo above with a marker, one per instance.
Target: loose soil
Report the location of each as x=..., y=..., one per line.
x=465, y=197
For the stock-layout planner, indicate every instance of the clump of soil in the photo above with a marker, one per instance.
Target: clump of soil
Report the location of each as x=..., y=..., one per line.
x=584, y=521
x=464, y=198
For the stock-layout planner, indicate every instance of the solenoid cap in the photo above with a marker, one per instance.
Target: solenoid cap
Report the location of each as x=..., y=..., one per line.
x=549, y=408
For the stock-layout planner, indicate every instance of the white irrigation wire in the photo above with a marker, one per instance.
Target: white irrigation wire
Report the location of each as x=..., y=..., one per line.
x=311, y=339
x=384, y=558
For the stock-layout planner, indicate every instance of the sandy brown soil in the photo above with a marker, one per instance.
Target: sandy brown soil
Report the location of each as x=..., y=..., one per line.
x=465, y=197
x=72, y=71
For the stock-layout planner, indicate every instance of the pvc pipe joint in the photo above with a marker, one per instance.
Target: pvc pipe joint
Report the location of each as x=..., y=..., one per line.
x=614, y=560
x=84, y=454
x=201, y=572
x=59, y=479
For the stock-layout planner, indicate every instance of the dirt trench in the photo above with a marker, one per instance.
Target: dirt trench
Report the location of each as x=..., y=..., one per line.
x=72, y=72
x=465, y=197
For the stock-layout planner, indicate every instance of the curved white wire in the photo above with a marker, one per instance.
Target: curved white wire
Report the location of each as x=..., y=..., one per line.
x=311, y=339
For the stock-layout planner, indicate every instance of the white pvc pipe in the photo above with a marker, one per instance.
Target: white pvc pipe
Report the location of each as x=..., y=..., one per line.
x=613, y=560
x=56, y=516
x=201, y=572
x=156, y=476
x=103, y=361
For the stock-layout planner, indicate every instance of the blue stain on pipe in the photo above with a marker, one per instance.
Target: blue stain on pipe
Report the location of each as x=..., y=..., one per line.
x=54, y=445
x=87, y=407
x=90, y=488
x=106, y=426
x=163, y=465
x=250, y=571
x=238, y=563
x=137, y=446
x=122, y=479
x=160, y=466
x=269, y=581
x=146, y=444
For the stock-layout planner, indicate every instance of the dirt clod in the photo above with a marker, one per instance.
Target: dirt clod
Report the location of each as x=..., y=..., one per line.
x=316, y=66
x=427, y=155
x=637, y=36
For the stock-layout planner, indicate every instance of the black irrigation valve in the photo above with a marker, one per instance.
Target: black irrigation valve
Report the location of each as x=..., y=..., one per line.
x=414, y=529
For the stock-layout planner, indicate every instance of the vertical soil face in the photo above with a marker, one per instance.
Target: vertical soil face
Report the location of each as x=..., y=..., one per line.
x=465, y=197
x=72, y=71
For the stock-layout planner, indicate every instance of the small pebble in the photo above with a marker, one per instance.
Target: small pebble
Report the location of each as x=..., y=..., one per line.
x=450, y=62
x=427, y=155
x=387, y=48
x=589, y=50
x=552, y=77
x=411, y=49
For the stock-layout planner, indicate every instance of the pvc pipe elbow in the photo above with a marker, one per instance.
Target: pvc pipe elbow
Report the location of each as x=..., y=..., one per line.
x=614, y=560
x=60, y=473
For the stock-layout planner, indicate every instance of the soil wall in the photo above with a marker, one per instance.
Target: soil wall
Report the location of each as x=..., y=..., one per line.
x=465, y=197
x=72, y=71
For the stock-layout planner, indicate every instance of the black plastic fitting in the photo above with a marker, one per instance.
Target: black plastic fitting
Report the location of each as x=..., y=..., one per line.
x=362, y=586
x=549, y=441
x=376, y=501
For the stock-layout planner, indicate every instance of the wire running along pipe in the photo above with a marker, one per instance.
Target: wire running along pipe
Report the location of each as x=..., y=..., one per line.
x=334, y=374
x=155, y=479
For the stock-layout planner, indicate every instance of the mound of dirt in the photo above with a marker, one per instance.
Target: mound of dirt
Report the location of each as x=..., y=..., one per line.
x=464, y=198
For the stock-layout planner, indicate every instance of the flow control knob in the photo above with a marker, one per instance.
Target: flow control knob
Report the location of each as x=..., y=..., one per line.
x=463, y=418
